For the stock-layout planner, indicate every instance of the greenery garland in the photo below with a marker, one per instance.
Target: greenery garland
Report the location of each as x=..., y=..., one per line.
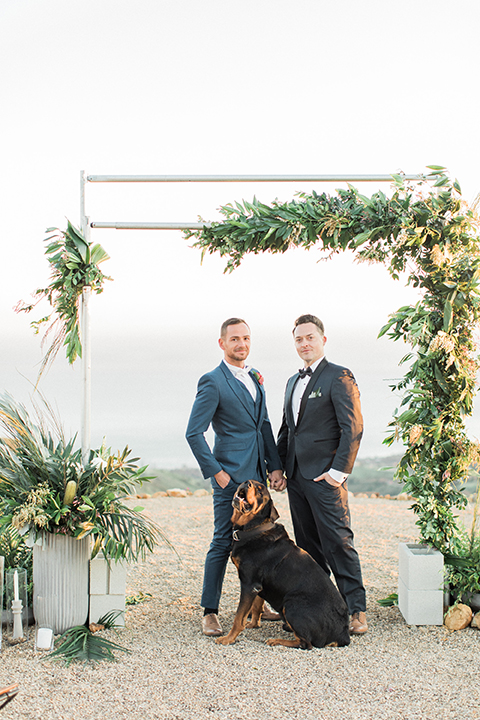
x=74, y=265
x=428, y=231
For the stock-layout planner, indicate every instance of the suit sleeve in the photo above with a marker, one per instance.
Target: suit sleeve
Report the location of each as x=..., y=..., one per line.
x=203, y=410
x=346, y=401
x=282, y=440
x=271, y=453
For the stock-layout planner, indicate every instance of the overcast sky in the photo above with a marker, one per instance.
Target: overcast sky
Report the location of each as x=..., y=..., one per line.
x=215, y=87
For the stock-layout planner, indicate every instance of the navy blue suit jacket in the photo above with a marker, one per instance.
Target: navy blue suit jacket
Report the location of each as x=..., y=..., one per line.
x=244, y=442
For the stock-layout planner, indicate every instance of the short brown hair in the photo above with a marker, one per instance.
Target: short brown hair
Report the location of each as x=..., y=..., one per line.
x=231, y=321
x=309, y=319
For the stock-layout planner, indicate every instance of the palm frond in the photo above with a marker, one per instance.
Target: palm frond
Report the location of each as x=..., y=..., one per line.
x=80, y=644
x=38, y=463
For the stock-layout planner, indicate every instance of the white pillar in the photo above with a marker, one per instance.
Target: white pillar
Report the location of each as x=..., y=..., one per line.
x=86, y=373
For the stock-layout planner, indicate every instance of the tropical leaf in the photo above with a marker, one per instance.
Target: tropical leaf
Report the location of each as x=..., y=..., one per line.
x=46, y=487
x=73, y=266
x=81, y=645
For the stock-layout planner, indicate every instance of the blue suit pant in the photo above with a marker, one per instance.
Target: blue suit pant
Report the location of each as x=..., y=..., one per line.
x=221, y=545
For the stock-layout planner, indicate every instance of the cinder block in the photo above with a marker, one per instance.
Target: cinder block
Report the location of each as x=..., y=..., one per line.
x=98, y=576
x=102, y=604
x=420, y=584
x=420, y=567
x=105, y=580
x=420, y=607
x=107, y=588
x=118, y=579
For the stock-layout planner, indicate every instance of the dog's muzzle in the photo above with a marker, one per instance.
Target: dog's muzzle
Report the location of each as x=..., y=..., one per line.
x=239, y=501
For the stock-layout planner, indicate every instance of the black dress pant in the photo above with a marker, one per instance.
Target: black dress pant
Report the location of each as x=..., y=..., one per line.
x=321, y=521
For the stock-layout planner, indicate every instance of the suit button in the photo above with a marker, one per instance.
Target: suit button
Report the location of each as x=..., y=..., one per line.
x=296, y=434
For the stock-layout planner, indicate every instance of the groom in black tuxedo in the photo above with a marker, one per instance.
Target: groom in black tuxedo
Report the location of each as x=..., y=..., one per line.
x=318, y=443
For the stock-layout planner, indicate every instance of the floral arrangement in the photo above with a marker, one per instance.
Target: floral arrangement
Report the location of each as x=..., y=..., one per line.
x=74, y=265
x=45, y=487
x=429, y=232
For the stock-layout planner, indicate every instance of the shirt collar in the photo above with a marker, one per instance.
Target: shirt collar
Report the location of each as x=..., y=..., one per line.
x=235, y=370
x=316, y=364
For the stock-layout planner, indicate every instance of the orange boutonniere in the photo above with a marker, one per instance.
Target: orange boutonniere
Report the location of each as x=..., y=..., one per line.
x=258, y=377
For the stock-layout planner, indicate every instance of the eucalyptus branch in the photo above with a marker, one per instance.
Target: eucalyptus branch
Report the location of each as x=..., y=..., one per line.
x=428, y=231
x=74, y=265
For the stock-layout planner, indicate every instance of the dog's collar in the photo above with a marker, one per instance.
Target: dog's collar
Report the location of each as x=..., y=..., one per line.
x=240, y=537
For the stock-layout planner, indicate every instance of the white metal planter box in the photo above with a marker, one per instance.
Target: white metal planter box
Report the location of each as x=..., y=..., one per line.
x=420, y=584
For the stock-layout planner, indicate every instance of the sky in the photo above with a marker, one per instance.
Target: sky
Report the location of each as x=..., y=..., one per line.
x=218, y=87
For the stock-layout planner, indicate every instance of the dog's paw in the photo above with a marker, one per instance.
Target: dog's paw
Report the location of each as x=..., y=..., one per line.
x=273, y=641
x=225, y=640
x=253, y=624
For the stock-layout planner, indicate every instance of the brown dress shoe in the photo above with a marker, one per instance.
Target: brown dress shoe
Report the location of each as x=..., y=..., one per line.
x=211, y=626
x=358, y=624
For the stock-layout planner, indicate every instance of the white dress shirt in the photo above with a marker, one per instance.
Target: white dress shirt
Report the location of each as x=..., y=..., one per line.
x=243, y=375
x=297, y=395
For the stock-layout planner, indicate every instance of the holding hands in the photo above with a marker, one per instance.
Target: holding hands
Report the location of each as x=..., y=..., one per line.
x=277, y=480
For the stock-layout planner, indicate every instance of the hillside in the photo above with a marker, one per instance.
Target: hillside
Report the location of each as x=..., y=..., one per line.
x=369, y=475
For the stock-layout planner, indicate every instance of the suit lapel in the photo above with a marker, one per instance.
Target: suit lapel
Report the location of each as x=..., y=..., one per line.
x=260, y=401
x=321, y=367
x=241, y=392
x=288, y=399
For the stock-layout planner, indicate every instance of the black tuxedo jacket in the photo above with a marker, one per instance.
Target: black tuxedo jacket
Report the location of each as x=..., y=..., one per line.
x=329, y=427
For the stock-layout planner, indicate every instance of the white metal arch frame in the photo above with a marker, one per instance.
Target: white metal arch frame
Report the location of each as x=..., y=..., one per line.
x=87, y=225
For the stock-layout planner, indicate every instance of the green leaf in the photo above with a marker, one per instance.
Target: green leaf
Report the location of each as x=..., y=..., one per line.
x=447, y=315
x=98, y=255
x=79, y=643
x=389, y=601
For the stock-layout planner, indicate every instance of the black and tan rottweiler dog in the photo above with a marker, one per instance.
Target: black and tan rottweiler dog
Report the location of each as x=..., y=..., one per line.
x=272, y=568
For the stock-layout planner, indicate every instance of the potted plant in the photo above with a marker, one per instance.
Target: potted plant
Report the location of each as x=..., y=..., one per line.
x=68, y=510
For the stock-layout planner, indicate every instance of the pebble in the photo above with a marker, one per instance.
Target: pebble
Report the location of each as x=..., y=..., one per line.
x=394, y=672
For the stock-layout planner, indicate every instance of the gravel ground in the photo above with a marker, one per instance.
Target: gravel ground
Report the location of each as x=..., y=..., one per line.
x=176, y=673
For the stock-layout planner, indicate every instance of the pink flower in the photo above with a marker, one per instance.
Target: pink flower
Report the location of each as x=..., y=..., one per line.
x=258, y=377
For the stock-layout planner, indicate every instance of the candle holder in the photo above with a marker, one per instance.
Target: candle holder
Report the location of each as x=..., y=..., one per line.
x=16, y=605
x=44, y=636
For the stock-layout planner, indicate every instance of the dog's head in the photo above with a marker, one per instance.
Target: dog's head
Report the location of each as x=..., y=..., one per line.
x=252, y=501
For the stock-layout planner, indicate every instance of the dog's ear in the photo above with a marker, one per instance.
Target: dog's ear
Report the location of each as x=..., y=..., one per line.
x=237, y=515
x=273, y=513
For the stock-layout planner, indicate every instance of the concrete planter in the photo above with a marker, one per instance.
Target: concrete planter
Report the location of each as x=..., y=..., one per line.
x=60, y=581
x=420, y=584
x=107, y=589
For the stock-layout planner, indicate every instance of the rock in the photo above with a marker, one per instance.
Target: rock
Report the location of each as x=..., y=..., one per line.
x=177, y=492
x=143, y=496
x=387, y=497
x=374, y=495
x=403, y=496
x=476, y=621
x=160, y=493
x=361, y=495
x=458, y=617
x=201, y=493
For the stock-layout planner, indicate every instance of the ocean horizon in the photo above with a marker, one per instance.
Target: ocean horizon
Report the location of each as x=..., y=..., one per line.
x=143, y=388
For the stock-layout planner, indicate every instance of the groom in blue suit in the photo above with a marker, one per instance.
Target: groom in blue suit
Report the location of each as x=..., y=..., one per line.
x=232, y=399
